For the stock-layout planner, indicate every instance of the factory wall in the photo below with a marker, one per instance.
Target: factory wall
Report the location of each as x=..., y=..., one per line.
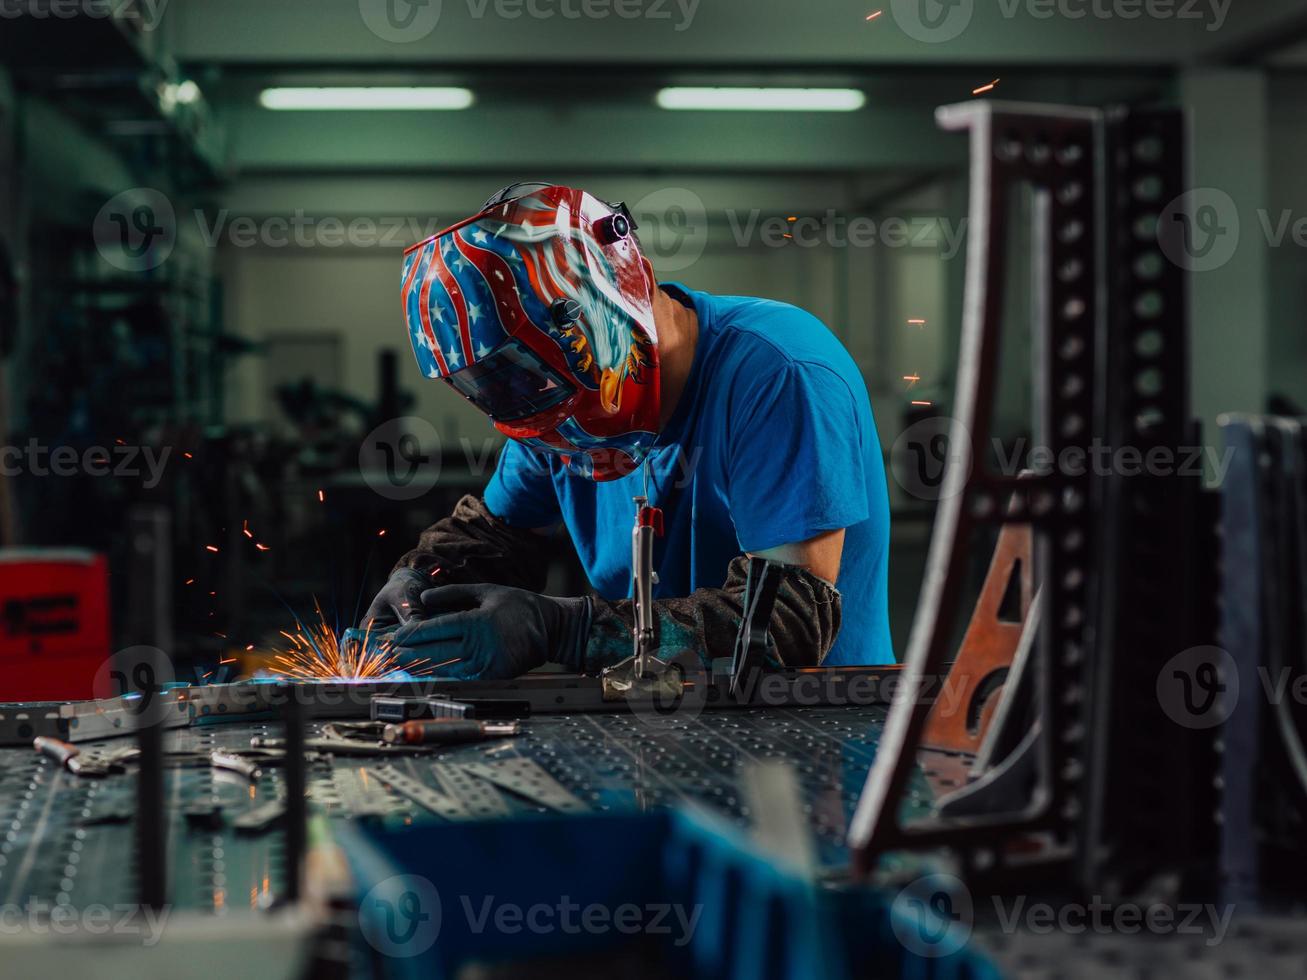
x=707, y=232
x=1287, y=292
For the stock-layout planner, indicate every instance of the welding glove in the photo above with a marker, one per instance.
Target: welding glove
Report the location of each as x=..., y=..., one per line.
x=399, y=599
x=491, y=632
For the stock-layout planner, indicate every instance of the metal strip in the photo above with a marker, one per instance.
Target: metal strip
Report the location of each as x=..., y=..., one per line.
x=528, y=778
x=479, y=798
x=421, y=794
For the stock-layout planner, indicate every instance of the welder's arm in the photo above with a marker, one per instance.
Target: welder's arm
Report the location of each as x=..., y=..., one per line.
x=804, y=622
x=471, y=545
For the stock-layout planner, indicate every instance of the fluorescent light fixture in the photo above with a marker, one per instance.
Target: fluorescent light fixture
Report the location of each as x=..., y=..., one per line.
x=366, y=98
x=763, y=99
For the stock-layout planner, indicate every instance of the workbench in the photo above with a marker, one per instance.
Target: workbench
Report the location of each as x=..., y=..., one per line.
x=69, y=839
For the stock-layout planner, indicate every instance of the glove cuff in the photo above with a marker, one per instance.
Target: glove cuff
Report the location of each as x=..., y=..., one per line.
x=573, y=632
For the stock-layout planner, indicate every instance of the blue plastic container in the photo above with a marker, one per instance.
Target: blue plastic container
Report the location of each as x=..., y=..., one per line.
x=699, y=899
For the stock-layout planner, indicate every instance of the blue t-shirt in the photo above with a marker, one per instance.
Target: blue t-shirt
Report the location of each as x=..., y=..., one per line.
x=773, y=442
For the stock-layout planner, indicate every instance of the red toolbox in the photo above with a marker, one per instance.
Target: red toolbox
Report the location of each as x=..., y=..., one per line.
x=54, y=623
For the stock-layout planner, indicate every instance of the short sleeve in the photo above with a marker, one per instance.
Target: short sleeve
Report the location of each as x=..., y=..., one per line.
x=797, y=459
x=521, y=491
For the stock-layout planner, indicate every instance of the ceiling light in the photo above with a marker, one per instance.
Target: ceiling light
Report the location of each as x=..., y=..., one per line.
x=763, y=99
x=366, y=98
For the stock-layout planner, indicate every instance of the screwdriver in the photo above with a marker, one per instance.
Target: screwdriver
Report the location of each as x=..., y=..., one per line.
x=447, y=731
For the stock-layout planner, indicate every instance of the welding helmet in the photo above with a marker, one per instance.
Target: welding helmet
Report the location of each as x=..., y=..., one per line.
x=538, y=311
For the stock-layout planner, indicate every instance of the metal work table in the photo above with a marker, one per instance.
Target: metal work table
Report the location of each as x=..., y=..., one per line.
x=69, y=840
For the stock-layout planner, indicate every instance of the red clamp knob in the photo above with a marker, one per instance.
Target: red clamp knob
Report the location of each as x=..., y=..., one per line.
x=652, y=517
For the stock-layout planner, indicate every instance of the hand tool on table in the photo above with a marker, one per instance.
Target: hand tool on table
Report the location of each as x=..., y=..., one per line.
x=70, y=757
x=447, y=731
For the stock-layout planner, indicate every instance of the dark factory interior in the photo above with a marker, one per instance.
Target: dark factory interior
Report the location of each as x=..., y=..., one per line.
x=653, y=488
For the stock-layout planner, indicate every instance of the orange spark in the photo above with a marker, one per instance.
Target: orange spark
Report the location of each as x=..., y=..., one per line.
x=323, y=654
x=873, y=16
x=322, y=497
x=921, y=403
x=188, y=455
x=916, y=323
x=985, y=88
x=261, y=546
x=211, y=547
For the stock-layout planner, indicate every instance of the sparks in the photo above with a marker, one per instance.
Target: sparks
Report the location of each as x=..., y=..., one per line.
x=189, y=581
x=317, y=653
x=261, y=546
x=985, y=88
x=381, y=533
x=916, y=323
x=911, y=379
x=188, y=455
x=926, y=404
x=874, y=14
x=322, y=496
x=211, y=547
x=245, y=529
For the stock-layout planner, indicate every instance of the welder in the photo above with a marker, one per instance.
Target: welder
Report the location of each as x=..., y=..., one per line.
x=744, y=421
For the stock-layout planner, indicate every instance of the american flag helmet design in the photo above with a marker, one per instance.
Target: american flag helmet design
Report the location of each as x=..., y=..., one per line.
x=538, y=311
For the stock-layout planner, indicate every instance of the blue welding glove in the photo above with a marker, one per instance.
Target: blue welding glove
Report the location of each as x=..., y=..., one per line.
x=399, y=599
x=491, y=632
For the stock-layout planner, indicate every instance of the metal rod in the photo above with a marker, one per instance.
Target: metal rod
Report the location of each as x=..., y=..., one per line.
x=151, y=819
x=296, y=805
